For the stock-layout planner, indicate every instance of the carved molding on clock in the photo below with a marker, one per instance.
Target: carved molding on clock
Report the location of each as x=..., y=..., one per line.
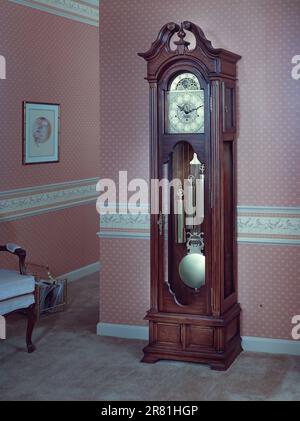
x=207, y=57
x=85, y=11
x=266, y=225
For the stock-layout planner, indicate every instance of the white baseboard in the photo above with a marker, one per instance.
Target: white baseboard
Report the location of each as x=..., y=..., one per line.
x=271, y=346
x=123, y=331
x=249, y=343
x=76, y=274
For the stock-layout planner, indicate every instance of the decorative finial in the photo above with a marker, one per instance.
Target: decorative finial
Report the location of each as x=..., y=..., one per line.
x=182, y=45
x=195, y=161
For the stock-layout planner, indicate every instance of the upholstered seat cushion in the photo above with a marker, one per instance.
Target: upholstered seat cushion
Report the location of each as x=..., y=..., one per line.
x=24, y=301
x=12, y=284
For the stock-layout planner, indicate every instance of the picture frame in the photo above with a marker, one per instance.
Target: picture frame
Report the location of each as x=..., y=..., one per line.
x=41, y=132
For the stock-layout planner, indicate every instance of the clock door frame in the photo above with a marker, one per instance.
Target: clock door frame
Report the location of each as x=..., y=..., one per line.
x=167, y=301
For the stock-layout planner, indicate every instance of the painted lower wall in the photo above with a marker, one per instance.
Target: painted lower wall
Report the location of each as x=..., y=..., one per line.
x=64, y=240
x=268, y=287
x=51, y=52
x=266, y=34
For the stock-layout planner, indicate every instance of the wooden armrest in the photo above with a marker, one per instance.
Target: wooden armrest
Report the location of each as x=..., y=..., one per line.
x=18, y=251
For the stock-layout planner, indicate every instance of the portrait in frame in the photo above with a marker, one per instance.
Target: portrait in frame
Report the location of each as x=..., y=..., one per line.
x=41, y=132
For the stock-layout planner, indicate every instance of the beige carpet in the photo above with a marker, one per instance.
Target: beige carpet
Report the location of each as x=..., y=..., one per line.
x=72, y=363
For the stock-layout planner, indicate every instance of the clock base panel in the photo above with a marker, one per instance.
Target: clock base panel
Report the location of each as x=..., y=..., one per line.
x=208, y=340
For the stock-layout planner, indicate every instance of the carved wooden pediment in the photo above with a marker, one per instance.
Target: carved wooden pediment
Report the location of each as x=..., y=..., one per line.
x=213, y=61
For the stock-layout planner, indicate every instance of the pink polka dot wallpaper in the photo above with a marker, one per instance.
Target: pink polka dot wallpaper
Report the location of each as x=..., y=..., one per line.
x=266, y=33
x=54, y=60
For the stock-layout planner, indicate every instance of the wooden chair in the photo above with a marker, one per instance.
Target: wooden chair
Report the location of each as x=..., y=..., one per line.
x=17, y=291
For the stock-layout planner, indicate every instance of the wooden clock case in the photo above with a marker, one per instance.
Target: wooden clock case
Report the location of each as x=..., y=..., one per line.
x=204, y=326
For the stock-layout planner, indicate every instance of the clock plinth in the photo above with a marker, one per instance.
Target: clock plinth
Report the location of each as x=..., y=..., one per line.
x=194, y=313
x=200, y=339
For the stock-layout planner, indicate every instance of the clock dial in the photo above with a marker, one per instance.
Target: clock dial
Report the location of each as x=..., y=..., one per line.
x=185, y=105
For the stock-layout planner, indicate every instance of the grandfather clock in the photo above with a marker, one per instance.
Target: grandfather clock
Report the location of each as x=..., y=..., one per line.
x=194, y=314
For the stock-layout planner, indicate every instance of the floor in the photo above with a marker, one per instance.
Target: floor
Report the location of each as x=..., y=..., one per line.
x=72, y=363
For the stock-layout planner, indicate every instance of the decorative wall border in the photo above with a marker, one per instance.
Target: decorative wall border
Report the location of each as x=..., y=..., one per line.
x=269, y=225
x=256, y=224
x=85, y=11
x=126, y=225
x=30, y=201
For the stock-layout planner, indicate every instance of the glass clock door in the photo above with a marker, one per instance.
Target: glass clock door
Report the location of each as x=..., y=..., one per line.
x=183, y=233
x=184, y=265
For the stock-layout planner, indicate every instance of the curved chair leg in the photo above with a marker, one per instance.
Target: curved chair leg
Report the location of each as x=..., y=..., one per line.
x=30, y=325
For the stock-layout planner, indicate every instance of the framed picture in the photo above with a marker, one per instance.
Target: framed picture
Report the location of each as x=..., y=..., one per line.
x=40, y=132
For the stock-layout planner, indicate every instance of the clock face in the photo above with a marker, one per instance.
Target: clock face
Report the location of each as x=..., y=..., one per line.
x=185, y=105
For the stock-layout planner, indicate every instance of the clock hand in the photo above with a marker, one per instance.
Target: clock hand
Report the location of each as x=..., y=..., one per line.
x=194, y=109
x=188, y=111
x=181, y=107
